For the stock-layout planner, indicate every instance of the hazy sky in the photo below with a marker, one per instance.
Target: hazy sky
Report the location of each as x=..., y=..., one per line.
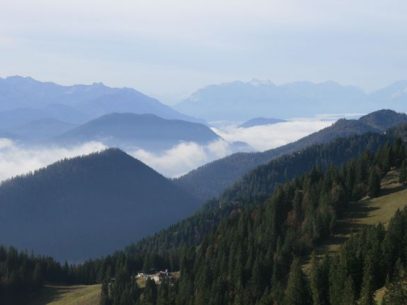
x=169, y=48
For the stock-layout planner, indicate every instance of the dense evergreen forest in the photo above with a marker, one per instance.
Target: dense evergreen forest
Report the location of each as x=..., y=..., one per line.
x=249, y=246
x=256, y=186
x=247, y=257
x=23, y=275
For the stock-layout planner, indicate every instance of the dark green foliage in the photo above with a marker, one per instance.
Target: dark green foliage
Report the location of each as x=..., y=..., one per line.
x=403, y=173
x=348, y=295
x=246, y=257
x=258, y=185
x=368, y=284
x=104, y=294
x=397, y=290
x=374, y=183
x=297, y=292
x=365, y=262
x=23, y=274
x=124, y=290
x=319, y=282
x=149, y=293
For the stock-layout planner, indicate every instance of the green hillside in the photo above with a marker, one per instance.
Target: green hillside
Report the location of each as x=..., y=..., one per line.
x=369, y=211
x=69, y=295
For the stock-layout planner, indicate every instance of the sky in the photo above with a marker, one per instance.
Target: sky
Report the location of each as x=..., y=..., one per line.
x=168, y=49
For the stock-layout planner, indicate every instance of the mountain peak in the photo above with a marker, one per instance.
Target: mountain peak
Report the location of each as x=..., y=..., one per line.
x=99, y=84
x=260, y=82
x=384, y=119
x=89, y=206
x=16, y=79
x=90, y=100
x=138, y=131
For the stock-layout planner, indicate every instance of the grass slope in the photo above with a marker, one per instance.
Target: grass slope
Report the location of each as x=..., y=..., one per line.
x=69, y=295
x=369, y=211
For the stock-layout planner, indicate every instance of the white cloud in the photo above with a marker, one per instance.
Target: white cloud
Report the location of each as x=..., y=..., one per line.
x=270, y=136
x=184, y=157
x=187, y=156
x=180, y=159
x=16, y=160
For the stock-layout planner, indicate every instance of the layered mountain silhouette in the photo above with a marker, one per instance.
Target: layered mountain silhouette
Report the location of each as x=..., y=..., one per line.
x=211, y=179
x=260, y=122
x=15, y=118
x=30, y=100
x=39, y=130
x=240, y=101
x=88, y=206
x=146, y=131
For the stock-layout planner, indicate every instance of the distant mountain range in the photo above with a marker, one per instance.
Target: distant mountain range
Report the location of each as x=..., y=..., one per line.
x=23, y=99
x=210, y=180
x=240, y=101
x=88, y=206
x=146, y=131
x=260, y=122
x=38, y=130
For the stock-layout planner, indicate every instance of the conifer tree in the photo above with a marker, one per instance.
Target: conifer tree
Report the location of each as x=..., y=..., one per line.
x=163, y=295
x=374, y=184
x=104, y=295
x=366, y=294
x=396, y=293
x=348, y=292
x=315, y=281
x=403, y=173
x=150, y=293
x=296, y=292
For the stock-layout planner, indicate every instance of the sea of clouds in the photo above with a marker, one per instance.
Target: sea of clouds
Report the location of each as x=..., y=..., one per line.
x=16, y=159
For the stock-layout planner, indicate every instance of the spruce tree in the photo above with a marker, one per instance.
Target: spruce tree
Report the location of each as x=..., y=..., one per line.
x=104, y=295
x=396, y=294
x=348, y=292
x=374, y=184
x=367, y=292
x=150, y=293
x=403, y=173
x=296, y=292
x=315, y=281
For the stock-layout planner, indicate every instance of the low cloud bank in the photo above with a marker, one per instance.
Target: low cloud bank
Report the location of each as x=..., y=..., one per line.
x=17, y=160
x=180, y=159
x=187, y=156
x=271, y=136
x=184, y=157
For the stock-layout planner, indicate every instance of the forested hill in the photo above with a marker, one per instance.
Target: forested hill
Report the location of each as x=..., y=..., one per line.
x=246, y=259
x=258, y=185
x=210, y=180
x=88, y=206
